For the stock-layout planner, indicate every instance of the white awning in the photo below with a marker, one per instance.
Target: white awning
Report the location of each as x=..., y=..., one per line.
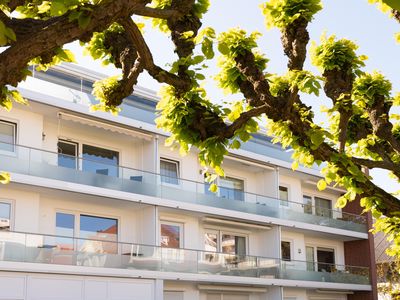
x=104, y=125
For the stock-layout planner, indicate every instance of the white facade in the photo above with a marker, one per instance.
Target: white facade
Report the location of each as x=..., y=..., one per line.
x=104, y=224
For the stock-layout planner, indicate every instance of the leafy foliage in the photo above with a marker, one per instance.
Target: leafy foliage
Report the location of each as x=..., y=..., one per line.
x=231, y=44
x=334, y=54
x=97, y=47
x=282, y=13
x=370, y=87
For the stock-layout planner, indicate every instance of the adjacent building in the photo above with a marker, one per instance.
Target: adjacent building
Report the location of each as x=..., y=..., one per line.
x=98, y=208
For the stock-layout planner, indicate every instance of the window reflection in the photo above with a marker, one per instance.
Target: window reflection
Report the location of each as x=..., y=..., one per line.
x=231, y=188
x=7, y=136
x=103, y=230
x=232, y=244
x=169, y=171
x=65, y=226
x=67, y=154
x=100, y=161
x=284, y=195
x=5, y=212
x=170, y=235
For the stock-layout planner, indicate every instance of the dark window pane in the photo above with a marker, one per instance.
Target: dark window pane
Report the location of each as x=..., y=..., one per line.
x=7, y=136
x=67, y=154
x=99, y=229
x=286, y=252
x=5, y=213
x=100, y=161
x=284, y=195
x=169, y=171
x=65, y=225
x=326, y=259
x=170, y=236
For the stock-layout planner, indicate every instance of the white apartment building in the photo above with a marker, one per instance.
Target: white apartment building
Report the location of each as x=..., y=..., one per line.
x=99, y=209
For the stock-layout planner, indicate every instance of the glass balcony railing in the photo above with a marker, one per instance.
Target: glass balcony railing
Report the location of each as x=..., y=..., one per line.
x=46, y=164
x=61, y=250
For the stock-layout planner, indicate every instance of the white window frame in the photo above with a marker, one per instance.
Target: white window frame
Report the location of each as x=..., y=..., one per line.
x=181, y=232
x=77, y=223
x=217, y=182
x=178, y=171
x=80, y=143
x=289, y=195
x=15, y=127
x=12, y=212
x=313, y=206
x=291, y=250
x=220, y=232
x=76, y=144
x=315, y=248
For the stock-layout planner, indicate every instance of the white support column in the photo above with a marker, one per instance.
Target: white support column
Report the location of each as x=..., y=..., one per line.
x=158, y=289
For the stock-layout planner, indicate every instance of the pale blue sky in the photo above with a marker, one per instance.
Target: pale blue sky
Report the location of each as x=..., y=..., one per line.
x=352, y=19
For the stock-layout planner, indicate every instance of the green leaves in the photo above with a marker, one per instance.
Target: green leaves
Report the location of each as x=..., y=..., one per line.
x=97, y=47
x=231, y=44
x=7, y=97
x=282, y=13
x=321, y=185
x=103, y=91
x=370, y=87
x=236, y=41
x=5, y=177
x=336, y=54
x=59, y=55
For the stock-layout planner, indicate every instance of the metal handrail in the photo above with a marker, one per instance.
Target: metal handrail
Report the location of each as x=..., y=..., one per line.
x=256, y=258
x=361, y=219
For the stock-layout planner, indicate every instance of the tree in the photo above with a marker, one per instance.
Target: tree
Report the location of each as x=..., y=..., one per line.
x=363, y=133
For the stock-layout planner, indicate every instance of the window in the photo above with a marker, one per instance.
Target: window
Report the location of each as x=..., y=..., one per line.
x=100, y=161
x=284, y=195
x=310, y=258
x=169, y=171
x=217, y=241
x=171, y=235
x=231, y=188
x=67, y=154
x=286, y=250
x=5, y=216
x=8, y=132
x=99, y=229
x=96, y=234
x=323, y=207
x=65, y=227
x=307, y=204
x=233, y=244
x=325, y=259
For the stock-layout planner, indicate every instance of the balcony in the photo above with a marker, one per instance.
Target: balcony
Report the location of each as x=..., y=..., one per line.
x=45, y=164
x=60, y=250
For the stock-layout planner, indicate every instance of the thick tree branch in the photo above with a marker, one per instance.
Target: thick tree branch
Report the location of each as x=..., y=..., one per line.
x=244, y=117
x=155, y=71
x=158, y=13
x=294, y=39
x=15, y=59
